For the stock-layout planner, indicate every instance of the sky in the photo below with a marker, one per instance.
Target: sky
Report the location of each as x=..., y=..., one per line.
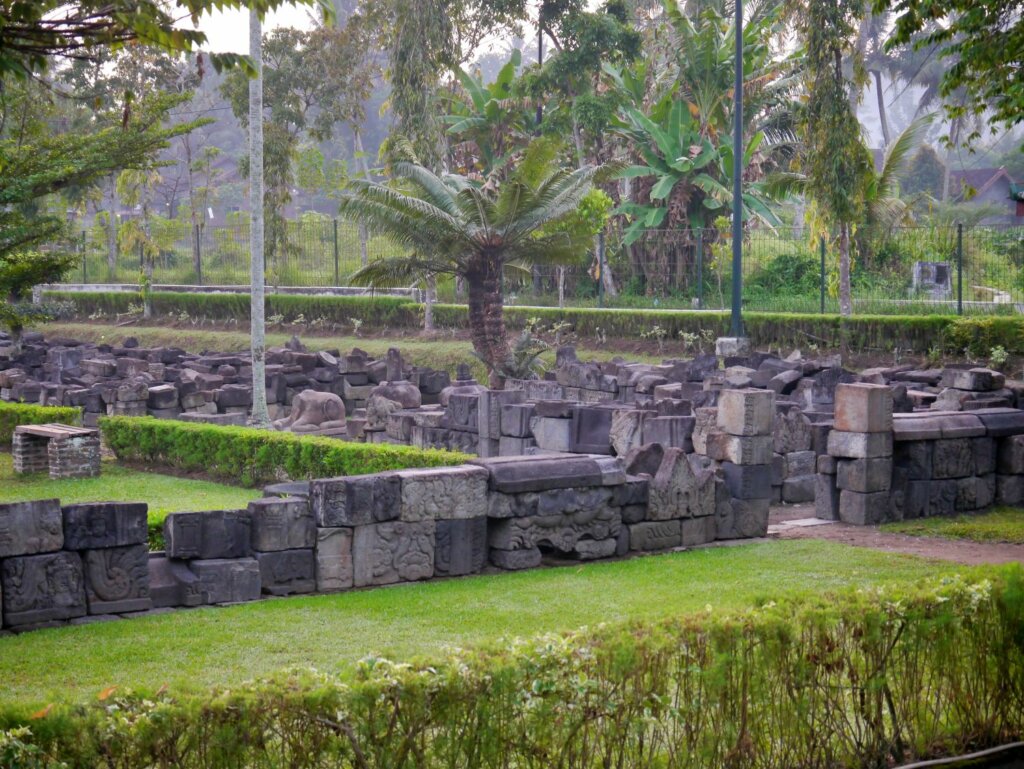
x=228, y=31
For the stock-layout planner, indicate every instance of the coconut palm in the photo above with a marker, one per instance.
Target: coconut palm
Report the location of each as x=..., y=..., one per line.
x=452, y=225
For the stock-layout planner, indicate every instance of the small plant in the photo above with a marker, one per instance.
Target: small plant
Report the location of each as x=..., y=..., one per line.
x=562, y=331
x=533, y=325
x=523, y=361
x=134, y=309
x=690, y=340
x=658, y=334
x=934, y=356
x=183, y=317
x=600, y=336
x=299, y=319
x=275, y=320
x=357, y=324
x=997, y=357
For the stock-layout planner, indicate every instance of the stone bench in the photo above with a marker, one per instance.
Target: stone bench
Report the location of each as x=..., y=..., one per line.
x=62, y=450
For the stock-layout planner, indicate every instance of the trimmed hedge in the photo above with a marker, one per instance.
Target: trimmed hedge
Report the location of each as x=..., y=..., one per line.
x=909, y=333
x=864, y=679
x=254, y=457
x=14, y=414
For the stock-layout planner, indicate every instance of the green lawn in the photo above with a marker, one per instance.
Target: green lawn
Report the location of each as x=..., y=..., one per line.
x=164, y=493
x=194, y=649
x=1004, y=524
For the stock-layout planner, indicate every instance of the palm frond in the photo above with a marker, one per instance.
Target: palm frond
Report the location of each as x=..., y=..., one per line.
x=899, y=153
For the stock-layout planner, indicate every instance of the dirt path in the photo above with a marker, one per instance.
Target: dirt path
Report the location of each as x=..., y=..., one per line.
x=960, y=551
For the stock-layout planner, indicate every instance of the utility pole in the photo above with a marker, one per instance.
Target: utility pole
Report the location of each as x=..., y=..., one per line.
x=257, y=328
x=736, y=326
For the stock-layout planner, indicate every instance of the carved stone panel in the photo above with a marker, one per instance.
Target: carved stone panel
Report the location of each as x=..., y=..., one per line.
x=655, y=535
x=285, y=572
x=171, y=583
x=104, y=524
x=385, y=553
x=463, y=412
x=357, y=500
x=953, y=458
x=559, y=531
x=117, y=579
x=211, y=534
x=281, y=524
x=27, y=528
x=228, y=580
x=42, y=588
x=460, y=546
x=443, y=492
x=333, y=559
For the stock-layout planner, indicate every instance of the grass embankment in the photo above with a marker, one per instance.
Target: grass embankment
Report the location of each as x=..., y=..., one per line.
x=164, y=493
x=1004, y=524
x=192, y=650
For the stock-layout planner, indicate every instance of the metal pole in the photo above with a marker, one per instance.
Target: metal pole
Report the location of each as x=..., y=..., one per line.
x=199, y=257
x=337, y=273
x=700, y=269
x=85, y=276
x=600, y=269
x=822, y=274
x=959, y=268
x=736, y=325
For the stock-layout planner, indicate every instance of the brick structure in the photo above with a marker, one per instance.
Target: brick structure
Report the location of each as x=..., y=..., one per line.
x=63, y=450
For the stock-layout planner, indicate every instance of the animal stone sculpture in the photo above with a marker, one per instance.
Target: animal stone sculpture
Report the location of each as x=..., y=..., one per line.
x=314, y=413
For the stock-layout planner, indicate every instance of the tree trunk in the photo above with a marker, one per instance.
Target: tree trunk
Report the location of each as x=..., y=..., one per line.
x=881, y=108
x=428, y=305
x=845, y=298
x=954, y=135
x=364, y=251
x=257, y=330
x=111, y=230
x=602, y=264
x=561, y=288
x=487, y=317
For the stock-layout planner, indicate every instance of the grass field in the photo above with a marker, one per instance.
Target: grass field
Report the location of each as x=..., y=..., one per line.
x=1003, y=524
x=190, y=650
x=164, y=493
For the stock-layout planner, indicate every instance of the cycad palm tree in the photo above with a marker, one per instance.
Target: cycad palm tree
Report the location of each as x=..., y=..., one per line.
x=454, y=226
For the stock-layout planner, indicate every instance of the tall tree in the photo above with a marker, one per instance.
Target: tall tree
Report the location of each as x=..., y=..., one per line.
x=257, y=274
x=836, y=162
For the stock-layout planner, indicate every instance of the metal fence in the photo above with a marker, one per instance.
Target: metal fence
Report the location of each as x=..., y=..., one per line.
x=923, y=269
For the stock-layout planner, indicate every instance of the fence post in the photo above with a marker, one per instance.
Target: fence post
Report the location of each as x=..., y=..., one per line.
x=337, y=274
x=199, y=255
x=600, y=269
x=822, y=274
x=959, y=268
x=85, y=275
x=700, y=269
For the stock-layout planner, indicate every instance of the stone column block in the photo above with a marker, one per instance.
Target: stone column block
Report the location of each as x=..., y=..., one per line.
x=287, y=572
x=95, y=525
x=863, y=408
x=27, y=528
x=460, y=546
x=826, y=497
x=228, y=580
x=333, y=559
x=281, y=523
x=746, y=412
x=209, y=534
x=356, y=500
x=859, y=445
x=397, y=551
x=740, y=450
x=864, y=475
x=443, y=492
x=864, y=509
x=117, y=579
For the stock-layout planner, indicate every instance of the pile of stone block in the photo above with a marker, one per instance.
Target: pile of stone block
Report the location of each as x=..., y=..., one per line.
x=77, y=563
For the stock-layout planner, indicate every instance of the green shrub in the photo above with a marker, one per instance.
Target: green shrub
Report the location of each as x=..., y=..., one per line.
x=979, y=335
x=255, y=457
x=871, y=678
x=14, y=414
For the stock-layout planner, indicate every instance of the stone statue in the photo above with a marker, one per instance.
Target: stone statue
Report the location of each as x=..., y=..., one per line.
x=314, y=413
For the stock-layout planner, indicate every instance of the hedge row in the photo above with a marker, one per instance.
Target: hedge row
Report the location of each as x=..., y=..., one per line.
x=255, y=457
x=911, y=333
x=14, y=414
x=866, y=679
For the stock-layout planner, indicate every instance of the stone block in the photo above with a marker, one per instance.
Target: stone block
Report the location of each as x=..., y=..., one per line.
x=863, y=509
x=747, y=481
x=1010, y=490
x=515, y=419
x=674, y=431
x=914, y=458
x=1011, y=455
x=743, y=519
x=287, y=572
x=462, y=412
x=96, y=525
x=799, y=488
x=42, y=588
x=864, y=475
x=163, y=396
x=681, y=488
x=975, y=493
x=592, y=550
x=510, y=446
x=172, y=583
x=800, y=463
x=552, y=434
x=626, y=429
x=489, y=406
x=746, y=412
x=859, y=445
x=740, y=450
x=635, y=491
x=281, y=523
x=791, y=431
x=826, y=497
x=953, y=458
x=1001, y=422
x=975, y=379
x=698, y=531
x=863, y=408
x=516, y=560
x=591, y=430
x=209, y=534
x=732, y=347
x=117, y=579
x=826, y=465
x=460, y=546
x=27, y=528
x=397, y=551
x=633, y=513
x=984, y=455
x=333, y=559
x=228, y=580
x=655, y=535
x=515, y=475
x=357, y=500
x=443, y=492
x=561, y=525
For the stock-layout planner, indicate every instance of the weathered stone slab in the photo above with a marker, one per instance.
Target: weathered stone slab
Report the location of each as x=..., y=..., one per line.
x=864, y=475
x=357, y=500
x=800, y=463
x=42, y=588
x=953, y=458
x=397, y=551
x=626, y=429
x=117, y=579
x=863, y=509
x=863, y=408
x=209, y=534
x=681, y=488
x=975, y=379
x=791, y=431
x=489, y=407
x=513, y=475
x=172, y=583
x=859, y=445
x=1009, y=489
x=558, y=530
x=282, y=523
x=460, y=546
x=516, y=560
x=743, y=519
x=915, y=458
x=1011, y=455
x=799, y=488
x=698, y=531
x=984, y=455
x=746, y=412
x=674, y=431
x=826, y=497
x=962, y=426
x=228, y=580
x=443, y=492
x=552, y=434
x=333, y=559
x=655, y=535
x=287, y=572
x=27, y=528
x=740, y=450
x=975, y=493
x=747, y=481
x=591, y=430
x=1001, y=422
x=95, y=525
x=515, y=419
